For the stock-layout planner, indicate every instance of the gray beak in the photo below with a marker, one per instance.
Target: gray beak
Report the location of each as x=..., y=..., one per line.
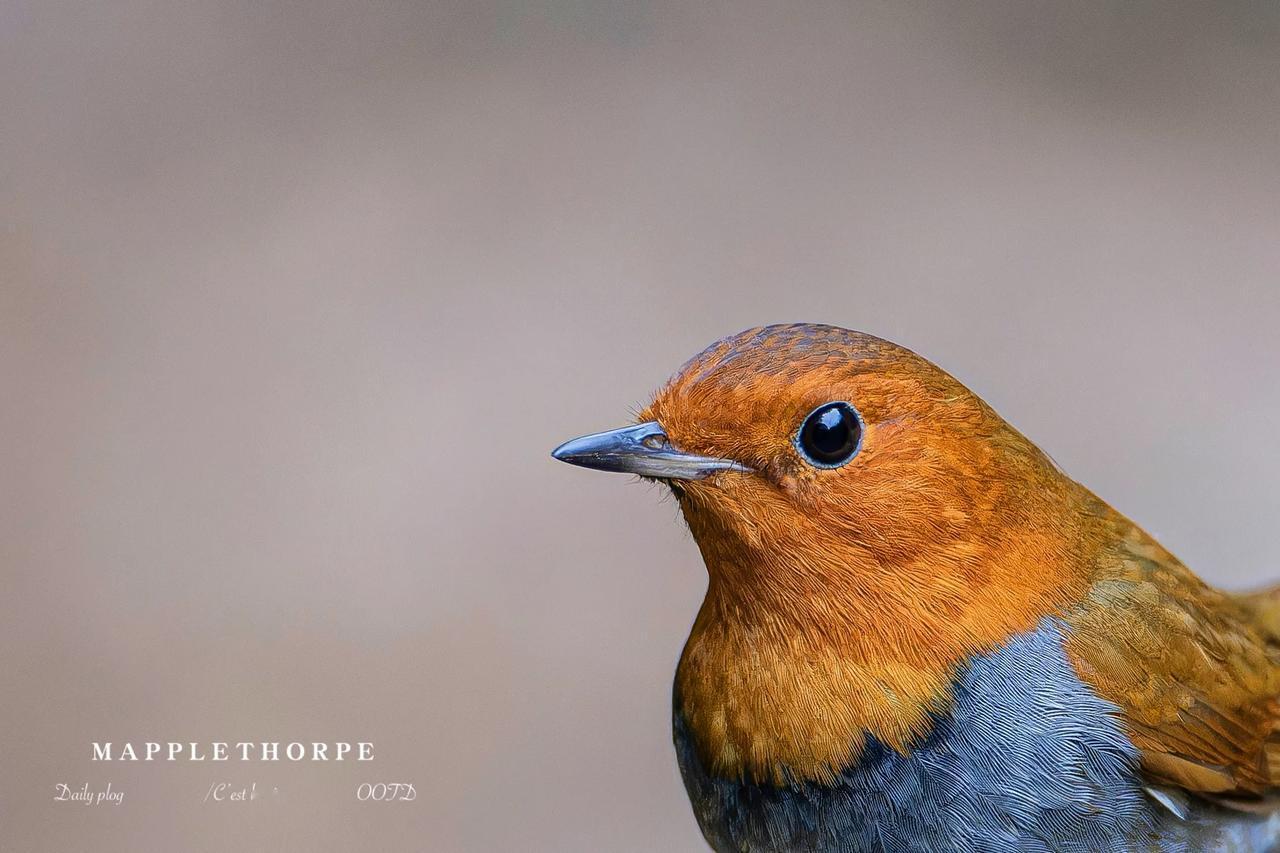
x=641, y=449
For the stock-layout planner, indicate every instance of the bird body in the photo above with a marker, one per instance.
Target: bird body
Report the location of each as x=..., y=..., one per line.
x=920, y=634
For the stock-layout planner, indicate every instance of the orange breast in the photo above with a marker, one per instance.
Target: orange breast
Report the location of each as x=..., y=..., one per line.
x=781, y=682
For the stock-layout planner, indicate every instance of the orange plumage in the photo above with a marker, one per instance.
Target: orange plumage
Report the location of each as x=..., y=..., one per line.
x=844, y=603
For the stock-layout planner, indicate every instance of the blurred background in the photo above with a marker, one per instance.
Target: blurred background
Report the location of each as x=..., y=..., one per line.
x=295, y=299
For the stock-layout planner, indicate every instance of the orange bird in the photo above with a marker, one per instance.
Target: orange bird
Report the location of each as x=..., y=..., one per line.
x=920, y=635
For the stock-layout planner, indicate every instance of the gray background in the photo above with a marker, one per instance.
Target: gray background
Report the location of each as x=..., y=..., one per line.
x=295, y=298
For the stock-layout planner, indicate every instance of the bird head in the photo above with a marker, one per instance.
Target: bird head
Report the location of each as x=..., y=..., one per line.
x=809, y=457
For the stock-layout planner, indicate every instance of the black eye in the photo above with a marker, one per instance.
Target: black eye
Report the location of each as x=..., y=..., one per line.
x=831, y=435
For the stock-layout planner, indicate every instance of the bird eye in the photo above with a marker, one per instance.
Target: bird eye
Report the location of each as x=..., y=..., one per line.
x=831, y=435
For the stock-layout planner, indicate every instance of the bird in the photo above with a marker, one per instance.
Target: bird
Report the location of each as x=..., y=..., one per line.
x=920, y=634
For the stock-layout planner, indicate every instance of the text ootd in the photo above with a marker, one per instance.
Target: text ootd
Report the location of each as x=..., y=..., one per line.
x=238, y=751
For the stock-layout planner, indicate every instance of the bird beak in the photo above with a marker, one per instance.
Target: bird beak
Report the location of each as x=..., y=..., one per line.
x=641, y=449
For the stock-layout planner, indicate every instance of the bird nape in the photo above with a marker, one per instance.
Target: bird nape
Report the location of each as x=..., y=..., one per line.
x=920, y=635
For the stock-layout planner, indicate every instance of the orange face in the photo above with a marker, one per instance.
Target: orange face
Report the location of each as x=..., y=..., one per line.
x=867, y=524
x=934, y=472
